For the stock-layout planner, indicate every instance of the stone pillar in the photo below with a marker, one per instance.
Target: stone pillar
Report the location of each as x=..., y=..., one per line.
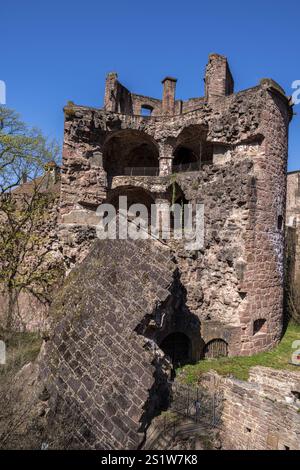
x=165, y=166
x=218, y=78
x=165, y=159
x=162, y=207
x=168, y=101
x=111, y=91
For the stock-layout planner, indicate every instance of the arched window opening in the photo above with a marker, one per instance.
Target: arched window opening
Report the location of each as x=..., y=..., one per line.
x=134, y=196
x=177, y=346
x=131, y=153
x=296, y=394
x=192, y=150
x=259, y=326
x=146, y=110
x=216, y=348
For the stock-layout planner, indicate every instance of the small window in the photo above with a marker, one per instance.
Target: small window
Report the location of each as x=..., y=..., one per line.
x=248, y=429
x=296, y=394
x=286, y=447
x=279, y=222
x=146, y=110
x=259, y=326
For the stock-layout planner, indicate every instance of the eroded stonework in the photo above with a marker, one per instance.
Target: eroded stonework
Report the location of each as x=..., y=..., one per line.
x=227, y=151
x=130, y=308
x=293, y=244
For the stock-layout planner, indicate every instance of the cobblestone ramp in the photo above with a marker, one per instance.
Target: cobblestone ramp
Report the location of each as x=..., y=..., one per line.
x=104, y=381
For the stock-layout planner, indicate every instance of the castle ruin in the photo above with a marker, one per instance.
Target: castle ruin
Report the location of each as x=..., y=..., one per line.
x=226, y=150
x=129, y=309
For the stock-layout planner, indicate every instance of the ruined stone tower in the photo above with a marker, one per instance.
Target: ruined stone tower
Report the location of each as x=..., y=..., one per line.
x=227, y=150
x=131, y=307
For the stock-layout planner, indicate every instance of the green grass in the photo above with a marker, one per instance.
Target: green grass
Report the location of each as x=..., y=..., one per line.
x=278, y=358
x=21, y=348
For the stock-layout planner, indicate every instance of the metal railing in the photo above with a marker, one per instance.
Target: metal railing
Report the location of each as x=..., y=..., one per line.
x=182, y=416
x=141, y=171
x=154, y=171
x=183, y=167
x=183, y=403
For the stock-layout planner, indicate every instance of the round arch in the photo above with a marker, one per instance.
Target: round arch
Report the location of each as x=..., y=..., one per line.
x=217, y=347
x=130, y=152
x=134, y=195
x=177, y=346
x=192, y=149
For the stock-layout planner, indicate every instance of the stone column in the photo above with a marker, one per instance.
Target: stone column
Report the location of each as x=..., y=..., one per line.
x=165, y=166
x=165, y=159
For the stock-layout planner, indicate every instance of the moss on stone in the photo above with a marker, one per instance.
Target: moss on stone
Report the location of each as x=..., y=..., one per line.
x=278, y=358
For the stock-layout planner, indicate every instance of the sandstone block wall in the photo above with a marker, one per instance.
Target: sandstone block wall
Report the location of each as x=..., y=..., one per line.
x=261, y=414
x=293, y=245
x=104, y=380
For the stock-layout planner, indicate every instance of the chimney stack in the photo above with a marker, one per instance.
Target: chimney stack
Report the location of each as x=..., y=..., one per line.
x=111, y=91
x=218, y=78
x=168, y=101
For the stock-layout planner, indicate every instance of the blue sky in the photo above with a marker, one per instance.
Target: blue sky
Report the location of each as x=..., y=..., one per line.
x=52, y=52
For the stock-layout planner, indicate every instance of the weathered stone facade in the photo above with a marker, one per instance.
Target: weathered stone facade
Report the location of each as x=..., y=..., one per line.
x=103, y=370
x=260, y=414
x=104, y=379
x=235, y=145
x=293, y=244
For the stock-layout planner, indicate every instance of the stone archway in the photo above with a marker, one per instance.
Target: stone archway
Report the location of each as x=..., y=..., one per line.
x=132, y=153
x=192, y=149
x=134, y=195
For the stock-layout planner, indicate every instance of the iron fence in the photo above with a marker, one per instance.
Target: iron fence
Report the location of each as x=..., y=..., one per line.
x=141, y=171
x=184, y=417
x=196, y=403
x=154, y=171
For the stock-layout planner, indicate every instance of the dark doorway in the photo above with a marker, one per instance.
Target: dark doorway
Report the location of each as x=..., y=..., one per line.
x=192, y=150
x=177, y=347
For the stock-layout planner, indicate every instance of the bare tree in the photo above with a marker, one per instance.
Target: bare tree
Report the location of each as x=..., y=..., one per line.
x=25, y=261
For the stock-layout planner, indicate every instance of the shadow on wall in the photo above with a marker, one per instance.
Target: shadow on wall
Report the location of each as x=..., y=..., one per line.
x=130, y=149
x=292, y=278
x=175, y=333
